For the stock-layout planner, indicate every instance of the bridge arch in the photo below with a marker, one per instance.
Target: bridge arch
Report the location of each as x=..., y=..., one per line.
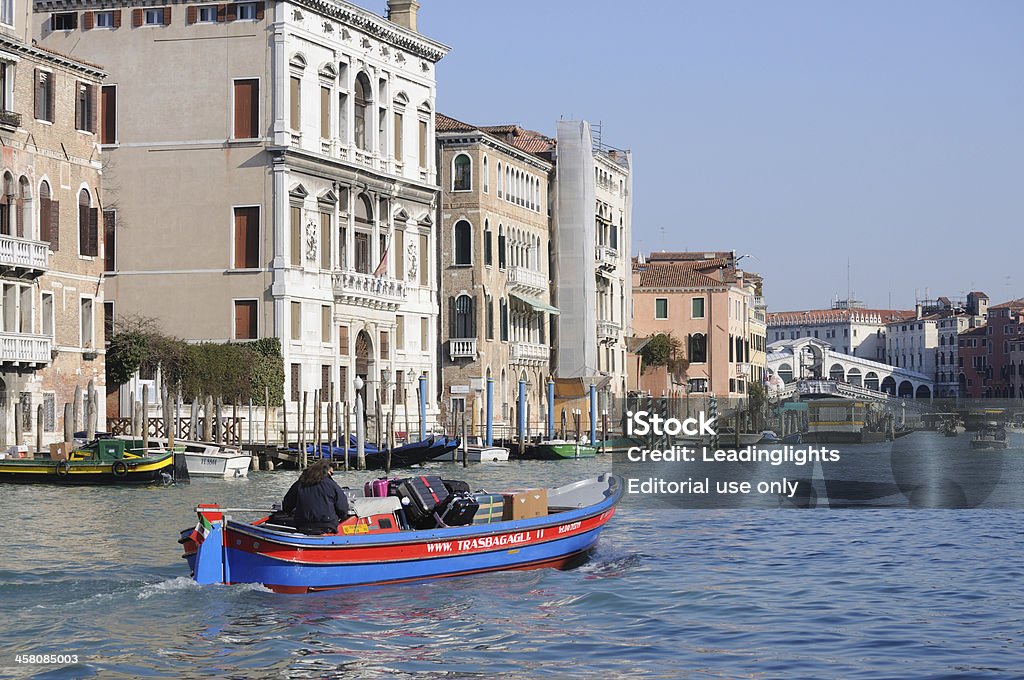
x=923, y=392
x=854, y=377
x=837, y=373
x=889, y=385
x=906, y=389
x=785, y=373
x=871, y=381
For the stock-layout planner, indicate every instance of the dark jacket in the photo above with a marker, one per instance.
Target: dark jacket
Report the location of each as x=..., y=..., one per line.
x=316, y=507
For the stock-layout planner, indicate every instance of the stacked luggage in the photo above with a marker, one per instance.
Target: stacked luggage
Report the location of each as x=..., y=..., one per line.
x=428, y=501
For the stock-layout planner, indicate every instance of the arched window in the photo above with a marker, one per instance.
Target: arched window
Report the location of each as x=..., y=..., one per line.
x=7, y=205
x=49, y=225
x=24, y=208
x=463, y=243
x=501, y=182
x=488, y=245
x=489, y=316
x=361, y=237
x=503, y=321
x=464, y=323
x=363, y=97
x=462, y=170
x=487, y=179
x=88, y=225
x=698, y=349
x=501, y=248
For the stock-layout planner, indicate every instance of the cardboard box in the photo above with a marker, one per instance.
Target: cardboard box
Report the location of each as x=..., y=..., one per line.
x=525, y=504
x=61, y=450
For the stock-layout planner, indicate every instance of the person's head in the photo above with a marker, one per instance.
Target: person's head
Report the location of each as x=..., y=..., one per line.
x=315, y=473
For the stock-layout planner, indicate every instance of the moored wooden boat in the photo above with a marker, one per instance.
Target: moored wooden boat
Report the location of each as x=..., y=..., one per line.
x=223, y=550
x=103, y=461
x=558, y=449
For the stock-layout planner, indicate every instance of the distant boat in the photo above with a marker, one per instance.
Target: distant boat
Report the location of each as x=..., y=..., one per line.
x=558, y=449
x=102, y=461
x=406, y=455
x=481, y=453
x=769, y=437
x=992, y=435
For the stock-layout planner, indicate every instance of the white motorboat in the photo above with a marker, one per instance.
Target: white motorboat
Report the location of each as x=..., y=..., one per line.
x=481, y=453
x=205, y=459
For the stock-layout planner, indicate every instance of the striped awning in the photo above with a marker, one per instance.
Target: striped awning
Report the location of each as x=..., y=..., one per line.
x=535, y=303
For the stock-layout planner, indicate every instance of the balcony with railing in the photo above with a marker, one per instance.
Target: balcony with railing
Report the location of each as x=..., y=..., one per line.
x=23, y=349
x=606, y=257
x=608, y=331
x=22, y=257
x=10, y=120
x=367, y=290
x=527, y=280
x=529, y=353
x=462, y=348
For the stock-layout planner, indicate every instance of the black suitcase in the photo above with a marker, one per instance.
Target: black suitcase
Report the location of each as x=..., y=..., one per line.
x=425, y=495
x=458, y=511
x=456, y=485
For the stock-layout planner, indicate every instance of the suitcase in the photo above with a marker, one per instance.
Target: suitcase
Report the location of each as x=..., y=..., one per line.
x=425, y=494
x=456, y=485
x=491, y=507
x=377, y=488
x=458, y=510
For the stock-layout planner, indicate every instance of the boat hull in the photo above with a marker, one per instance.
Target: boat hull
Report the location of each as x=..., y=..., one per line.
x=217, y=465
x=237, y=552
x=86, y=472
x=560, y=451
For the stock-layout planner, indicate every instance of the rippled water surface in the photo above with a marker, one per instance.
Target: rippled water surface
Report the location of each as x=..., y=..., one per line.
x=668, y=593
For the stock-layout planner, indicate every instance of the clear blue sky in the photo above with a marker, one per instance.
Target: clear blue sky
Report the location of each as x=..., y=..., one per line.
x=805, y=133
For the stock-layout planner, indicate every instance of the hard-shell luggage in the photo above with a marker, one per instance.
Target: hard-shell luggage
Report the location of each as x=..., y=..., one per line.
x=458, y=510
x=425, y=494
x=491, y=507
x=377, y=488
x=456, y=485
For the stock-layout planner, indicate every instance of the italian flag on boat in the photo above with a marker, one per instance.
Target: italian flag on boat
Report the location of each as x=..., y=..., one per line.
x=202, y=530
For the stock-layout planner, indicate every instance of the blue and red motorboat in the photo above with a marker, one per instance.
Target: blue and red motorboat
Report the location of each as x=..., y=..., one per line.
x=377, y=546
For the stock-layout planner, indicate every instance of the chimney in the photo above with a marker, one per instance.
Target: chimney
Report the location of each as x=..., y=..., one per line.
x=403, y=13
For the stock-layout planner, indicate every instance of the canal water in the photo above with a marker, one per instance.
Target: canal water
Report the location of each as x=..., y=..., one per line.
x=94, y=574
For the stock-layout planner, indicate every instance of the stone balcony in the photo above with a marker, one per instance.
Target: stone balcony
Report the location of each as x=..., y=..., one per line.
x=10, y=120
x=608, y=331
x=527, y=280
x=529, y=353
x=23, y=349
x=367, y=290
x=606, y=258
x=462, y=348
x=22, y=257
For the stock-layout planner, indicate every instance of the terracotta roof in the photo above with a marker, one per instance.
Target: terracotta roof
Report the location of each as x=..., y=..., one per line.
x=818, y=316
x=443, y=123
x=524, y=140
x=1014, y=305
x=689, y=255
x=674, y=276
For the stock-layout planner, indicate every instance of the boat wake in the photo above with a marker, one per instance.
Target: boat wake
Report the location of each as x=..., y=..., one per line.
x=171, y=585
x=607, y=562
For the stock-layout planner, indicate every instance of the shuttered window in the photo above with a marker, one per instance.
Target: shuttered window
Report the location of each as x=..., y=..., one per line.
x=296, y=321
x=424, y=254
x=247, y=238
x=247, y=108
x=245, y=320
x=343, y=341
x=44, y=95
x=325, y=240
x=88, y=226
x=325, y=112
x=108, y=124
x=49, y=218
x=296, y=241
x=296, y=93
x=109, y=224
x=85, y=108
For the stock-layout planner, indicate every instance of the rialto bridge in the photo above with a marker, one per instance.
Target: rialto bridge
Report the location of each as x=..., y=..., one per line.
x=811, y=364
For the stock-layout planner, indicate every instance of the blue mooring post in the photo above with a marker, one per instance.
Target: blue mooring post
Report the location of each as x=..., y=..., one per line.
x=423, y=407
x=551, y=408
x=490, y=411
x=522, y=409
x=593, y=414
